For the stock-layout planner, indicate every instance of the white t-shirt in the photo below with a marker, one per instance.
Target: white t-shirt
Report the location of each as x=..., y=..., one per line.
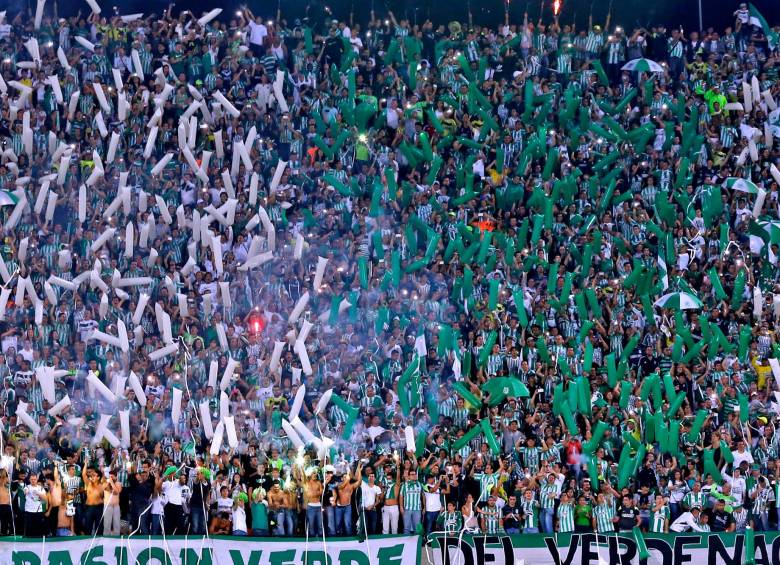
x=224, y=504
x=239, y=519
x=738, y=489
x=27, y=354
x=172, y=491
x=432, y=500
x=157, y=505
x=33, y=498
x=369, y=494
x=257, y=33
x=392, y=118
x=740, y=457
x=685, y=522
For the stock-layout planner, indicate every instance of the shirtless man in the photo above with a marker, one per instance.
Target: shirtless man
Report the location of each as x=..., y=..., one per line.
x=6, y=515
x=111, y=516
x=312, y=498
x=390, y=514
x=93, y=509
x=344, y=502
x=276, y=502
x=55, y=497
x=290, y=506
x=220, y=524
x=65, y=517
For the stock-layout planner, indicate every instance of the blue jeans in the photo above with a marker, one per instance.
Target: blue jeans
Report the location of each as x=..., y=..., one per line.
x=344, y=520
x=761, y=521
x=411, y=521
x=330, y=514
x=93, y=523
x=430, y=521
x=284, y=523
x=141, y=522
x=530, y=530
x=512, y=530
x=239, y=533
x=197, y=522
x=157, y=524
x=314, y=520
x=547, y=520
x=371, y=521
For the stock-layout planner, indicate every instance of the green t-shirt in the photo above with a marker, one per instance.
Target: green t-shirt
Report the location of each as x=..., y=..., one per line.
x=582, y=515
x=259, y=516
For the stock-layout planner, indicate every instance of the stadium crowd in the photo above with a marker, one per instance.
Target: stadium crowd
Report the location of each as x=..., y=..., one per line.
x=540, y=290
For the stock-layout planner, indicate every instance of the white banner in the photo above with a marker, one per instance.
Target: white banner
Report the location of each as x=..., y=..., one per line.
x=139, y=550
x=598, y=549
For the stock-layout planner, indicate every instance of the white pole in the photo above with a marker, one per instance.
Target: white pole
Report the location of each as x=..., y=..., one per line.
x=701, y=24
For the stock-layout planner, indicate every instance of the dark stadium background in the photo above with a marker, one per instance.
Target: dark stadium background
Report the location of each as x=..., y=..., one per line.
x=716, y=13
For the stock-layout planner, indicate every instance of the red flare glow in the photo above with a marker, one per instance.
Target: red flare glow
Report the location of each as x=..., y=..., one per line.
x=556, y=7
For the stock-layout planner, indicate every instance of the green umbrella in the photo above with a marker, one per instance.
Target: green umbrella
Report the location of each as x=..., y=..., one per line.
x=643, y=66
x=502, y=387
x=678, y=301
x=772, y=228
x=742, y=185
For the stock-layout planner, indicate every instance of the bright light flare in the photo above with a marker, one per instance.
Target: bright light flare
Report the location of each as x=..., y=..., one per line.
x=557, y=7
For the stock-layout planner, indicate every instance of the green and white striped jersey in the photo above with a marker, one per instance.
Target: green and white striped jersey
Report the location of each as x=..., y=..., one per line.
x=676, y=47
x=692, y=499
x=548, y=495
x=530, y=510
x=566, y=517
x=388, y=485
x=659, y=519
x=452, y=522
x=486, y=483
x=491, y=518
x=531, y=456
x=604, y=514
x=412, y=495
x=594, y=42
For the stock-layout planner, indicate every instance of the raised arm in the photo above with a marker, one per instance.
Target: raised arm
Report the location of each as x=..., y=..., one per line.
x=392, y=18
